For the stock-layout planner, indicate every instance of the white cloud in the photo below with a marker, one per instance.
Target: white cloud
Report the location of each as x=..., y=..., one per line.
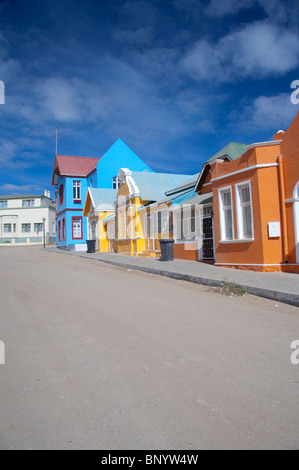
x=259, y=50
x=227, y=7
x=61, y=98
x=266, y=113
x=19, y=189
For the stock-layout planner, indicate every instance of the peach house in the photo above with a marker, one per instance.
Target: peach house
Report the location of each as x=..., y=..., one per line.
x=256, y=205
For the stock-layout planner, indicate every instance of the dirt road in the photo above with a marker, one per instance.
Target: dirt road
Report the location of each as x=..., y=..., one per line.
x=101, y=358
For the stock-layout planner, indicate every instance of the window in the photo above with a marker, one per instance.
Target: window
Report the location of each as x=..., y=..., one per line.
x=59, y=230
x=115, y=182
x=244, y=211
x=61, y=194
x=38, y=227
x=26, y=228
x=14, y=228
x=184, y=223
x=164, y=221
x=77, y=228
x=63, y=229
x=28, y=203
x=122, y=223
x=226, y=214
x=7, y=228
x=91, y=182
x=3, y=204
x=77, y=191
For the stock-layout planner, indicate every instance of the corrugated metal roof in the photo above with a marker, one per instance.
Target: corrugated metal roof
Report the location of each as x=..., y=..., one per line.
x=21, y=196
x=231, y=150
x=195, y=200
x=75, y=166
x=187, y=184
x=109, y=217
x=103, y=199
x=152, y=186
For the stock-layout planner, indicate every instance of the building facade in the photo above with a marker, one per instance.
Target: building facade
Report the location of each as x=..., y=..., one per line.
x=27, y=219
x=72, y=176
x=255, y=205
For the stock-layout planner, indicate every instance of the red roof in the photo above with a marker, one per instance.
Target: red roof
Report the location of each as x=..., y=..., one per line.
x=66, y=165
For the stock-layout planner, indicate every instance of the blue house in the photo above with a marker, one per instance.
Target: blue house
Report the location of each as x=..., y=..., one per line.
x=71, y=178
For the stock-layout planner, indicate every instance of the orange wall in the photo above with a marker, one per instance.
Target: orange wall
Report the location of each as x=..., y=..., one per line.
x=290, y=154
x=186, y=251
x=265, y=206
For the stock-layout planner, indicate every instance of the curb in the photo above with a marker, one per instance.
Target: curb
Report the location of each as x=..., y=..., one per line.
x=284, y=297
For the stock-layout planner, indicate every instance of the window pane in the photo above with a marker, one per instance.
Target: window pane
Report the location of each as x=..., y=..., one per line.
x=247, y=222
x=76, y=228
x=228, y=224
x=245, y=194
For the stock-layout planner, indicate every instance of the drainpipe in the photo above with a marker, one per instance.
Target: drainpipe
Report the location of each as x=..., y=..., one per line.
x=283, y=211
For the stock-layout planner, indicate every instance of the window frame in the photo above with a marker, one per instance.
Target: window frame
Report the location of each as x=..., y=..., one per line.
x=38, y=223
x=115, y=182
x=240, y=213
x=31, y=203
x=60, y=194
x=59, y=230
x=77, y=191
x=222, y=218
x=3, y=204
x=26, y=231
x=6, y=226
x=81, y=223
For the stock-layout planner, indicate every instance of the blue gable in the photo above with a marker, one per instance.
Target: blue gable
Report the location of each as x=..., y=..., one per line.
x=118, y=156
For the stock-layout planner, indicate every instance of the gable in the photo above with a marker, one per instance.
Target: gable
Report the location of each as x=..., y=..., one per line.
x=118, y=156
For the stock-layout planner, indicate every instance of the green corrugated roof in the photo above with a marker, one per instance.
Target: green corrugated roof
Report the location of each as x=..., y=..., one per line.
x=231, y=150
x=152, y=186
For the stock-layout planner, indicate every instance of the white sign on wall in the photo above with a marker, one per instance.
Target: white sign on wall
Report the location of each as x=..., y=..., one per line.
x=274, y=229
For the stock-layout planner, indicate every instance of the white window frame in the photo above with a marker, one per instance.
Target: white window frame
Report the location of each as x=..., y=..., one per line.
x=115, y=182
x=26, y=226
x=28, y=203
x=76, y=190
x=38, y=223
x=240, y=216
x=3, y=204
x=7, y=226
x=222, y=214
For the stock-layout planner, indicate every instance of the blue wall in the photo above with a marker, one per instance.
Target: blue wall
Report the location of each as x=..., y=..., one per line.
x=118, y=156
x=68, y=209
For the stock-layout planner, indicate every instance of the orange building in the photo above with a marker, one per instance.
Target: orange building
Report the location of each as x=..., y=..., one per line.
x=256, y=205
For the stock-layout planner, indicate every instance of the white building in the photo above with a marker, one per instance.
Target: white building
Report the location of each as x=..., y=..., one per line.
x=23, y=218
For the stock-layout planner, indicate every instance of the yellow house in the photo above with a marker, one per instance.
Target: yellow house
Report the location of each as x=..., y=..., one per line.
x=99, y=205
x=137, y=220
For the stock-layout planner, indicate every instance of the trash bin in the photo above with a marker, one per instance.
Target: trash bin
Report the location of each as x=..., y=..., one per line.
x=91, y=246
x=166, y=250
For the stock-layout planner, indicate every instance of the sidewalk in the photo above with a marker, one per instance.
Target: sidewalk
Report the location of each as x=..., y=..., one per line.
x=282, y=287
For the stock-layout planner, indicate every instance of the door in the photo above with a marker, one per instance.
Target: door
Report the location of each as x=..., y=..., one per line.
x=150, y=230
x=296, y=219
x=207, y=233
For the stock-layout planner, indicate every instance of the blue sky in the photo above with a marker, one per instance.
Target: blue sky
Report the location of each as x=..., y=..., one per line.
x=174, y=79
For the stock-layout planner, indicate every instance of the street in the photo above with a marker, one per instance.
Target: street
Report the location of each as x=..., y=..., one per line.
x=100, y=357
